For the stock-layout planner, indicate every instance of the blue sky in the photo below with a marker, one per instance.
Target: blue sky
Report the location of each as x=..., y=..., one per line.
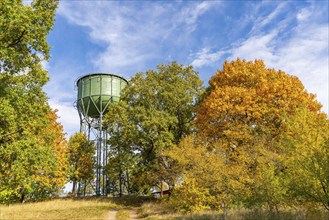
x=126, y=37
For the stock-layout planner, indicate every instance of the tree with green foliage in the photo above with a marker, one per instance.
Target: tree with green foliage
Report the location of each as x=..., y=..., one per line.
x=23, y=34
x=32, y=143
x=81, y=160
x=159, y=110
x=121, y=158
x=307, y=158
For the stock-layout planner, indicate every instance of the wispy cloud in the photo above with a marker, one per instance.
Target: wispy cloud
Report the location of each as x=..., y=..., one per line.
x=260, y=47
x=135, y=34
x=263, y=19
x=132, y=36
x=297, y=43
x=205, y=57
x=303, y=54
x=68, y=116
x=189, y=15
x=62, y=94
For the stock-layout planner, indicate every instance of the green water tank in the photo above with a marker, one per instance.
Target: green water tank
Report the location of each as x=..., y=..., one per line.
x=97, y=91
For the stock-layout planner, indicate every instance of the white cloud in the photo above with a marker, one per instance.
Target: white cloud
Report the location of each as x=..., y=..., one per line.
x=131, y=34
x=62, y=78
x=303, y=14
x=189, y=15
x=304, y=54
x=134, y=34
x=262, y=21
x=68, y=116
x=260, y=47
x=205, y=58
x=298, y=49
x=62, y=93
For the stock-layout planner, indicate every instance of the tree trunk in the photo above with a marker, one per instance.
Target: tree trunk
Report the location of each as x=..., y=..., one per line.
x=84, y=188
x=161, y=187
x=224, y=211
x=73, y=187
x=120, y=182
x=128, y=181
x=22, y=198
x=79, y=188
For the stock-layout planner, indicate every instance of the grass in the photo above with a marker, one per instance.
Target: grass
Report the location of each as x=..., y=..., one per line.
x=161, y=211
x=72, y=208
x=59, y=209
x=122, y=215
x=148, y=209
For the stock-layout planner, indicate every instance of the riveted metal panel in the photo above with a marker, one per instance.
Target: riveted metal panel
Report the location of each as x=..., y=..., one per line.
x=97, y=91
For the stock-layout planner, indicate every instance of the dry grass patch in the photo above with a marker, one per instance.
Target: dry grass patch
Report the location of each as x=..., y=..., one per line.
x=162, y=211
x=122, y=215
x=59, y=209
x=154, y=210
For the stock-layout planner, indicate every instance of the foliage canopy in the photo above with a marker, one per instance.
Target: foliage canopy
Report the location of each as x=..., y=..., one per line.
x=32, y=144
x=155, y=112
x=263, y=133
x=81, y=159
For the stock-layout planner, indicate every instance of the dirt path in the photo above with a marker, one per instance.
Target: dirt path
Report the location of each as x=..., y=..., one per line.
x=133, y=214
x=112, y=215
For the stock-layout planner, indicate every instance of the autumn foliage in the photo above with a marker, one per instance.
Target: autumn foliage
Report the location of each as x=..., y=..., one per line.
x=247, y=98
x=260, y=141
x=255, y=138
x=81, y=159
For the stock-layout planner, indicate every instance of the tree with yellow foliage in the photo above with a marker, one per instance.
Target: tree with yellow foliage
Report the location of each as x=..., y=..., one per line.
x=202, y=173
x=81, y=159
x=242, y=125
x=247, y=99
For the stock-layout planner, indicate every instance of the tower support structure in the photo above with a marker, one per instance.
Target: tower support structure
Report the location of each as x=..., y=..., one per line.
x=95, y=93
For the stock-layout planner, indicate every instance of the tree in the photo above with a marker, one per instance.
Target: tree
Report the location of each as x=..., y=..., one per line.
x=34, y=163
x=31, y=141
x=247, y=99
x=23, y=33
x=160, y=109
x=243, y=120
x=246, y=111
x=202, y=173
x=307, y=158
x=54, y=135
x=81, y=159
x=122, y=159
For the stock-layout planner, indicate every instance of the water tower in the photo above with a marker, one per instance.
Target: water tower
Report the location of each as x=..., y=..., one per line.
x=95, y=93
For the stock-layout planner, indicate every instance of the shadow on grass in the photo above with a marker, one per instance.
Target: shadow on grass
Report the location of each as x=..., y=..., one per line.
x=88, y=212
x=213, y=216
x=127, y=201
x=283, y=215
x=249, y=215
